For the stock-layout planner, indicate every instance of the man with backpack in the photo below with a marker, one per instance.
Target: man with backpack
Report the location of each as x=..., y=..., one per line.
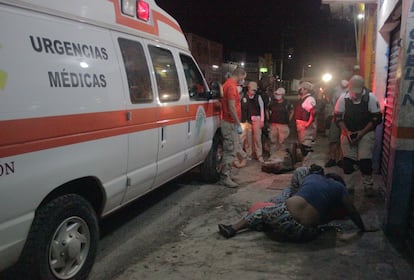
x=357, y=113
x=280, y=115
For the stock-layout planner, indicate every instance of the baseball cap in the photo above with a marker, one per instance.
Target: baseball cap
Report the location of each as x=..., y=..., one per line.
x=280, y=91
x=306, y=85
x=356, y=84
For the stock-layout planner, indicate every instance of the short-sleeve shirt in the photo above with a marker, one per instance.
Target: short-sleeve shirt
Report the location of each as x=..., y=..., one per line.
x=309, y=102
x=324, y=194
x=230, y=92
x=373, y=106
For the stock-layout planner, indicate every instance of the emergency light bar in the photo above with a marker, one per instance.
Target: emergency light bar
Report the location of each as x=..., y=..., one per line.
x=136, y=8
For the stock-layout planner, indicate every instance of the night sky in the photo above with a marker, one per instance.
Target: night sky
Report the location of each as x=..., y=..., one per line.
x=260, y=26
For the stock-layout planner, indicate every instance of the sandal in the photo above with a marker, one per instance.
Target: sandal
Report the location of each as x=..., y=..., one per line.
x=226, y=230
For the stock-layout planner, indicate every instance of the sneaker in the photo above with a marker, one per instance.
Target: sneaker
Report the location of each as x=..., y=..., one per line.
x=330, y=163
x=228, y=182
x=227, y=231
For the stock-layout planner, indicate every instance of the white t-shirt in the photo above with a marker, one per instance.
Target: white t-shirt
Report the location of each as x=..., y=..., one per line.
x=373, y=106
x=309, y=103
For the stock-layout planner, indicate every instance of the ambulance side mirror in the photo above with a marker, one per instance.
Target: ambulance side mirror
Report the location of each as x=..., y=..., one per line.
x=216, y=90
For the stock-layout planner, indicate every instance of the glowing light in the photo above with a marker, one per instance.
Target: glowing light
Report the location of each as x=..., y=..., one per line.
x=360, y=16
x=83, y=64
x=215, y=66
x=242, y=64
x=327, y=77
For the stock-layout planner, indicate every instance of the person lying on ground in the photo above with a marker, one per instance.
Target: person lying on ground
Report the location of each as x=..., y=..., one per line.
x=297, y=219
x=297, y=178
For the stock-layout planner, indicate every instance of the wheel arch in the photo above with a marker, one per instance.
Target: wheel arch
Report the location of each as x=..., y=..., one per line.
x=90, y=188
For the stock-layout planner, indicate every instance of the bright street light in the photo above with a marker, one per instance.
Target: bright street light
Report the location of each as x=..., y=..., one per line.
x=327, y=77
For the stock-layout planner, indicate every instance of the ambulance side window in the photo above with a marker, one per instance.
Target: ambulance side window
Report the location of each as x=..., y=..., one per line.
x=197, y=88
x=166, y=73
x=136, y=68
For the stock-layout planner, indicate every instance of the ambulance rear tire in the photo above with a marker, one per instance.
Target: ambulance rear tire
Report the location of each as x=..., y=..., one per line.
x=63, y=239
x=213, y=164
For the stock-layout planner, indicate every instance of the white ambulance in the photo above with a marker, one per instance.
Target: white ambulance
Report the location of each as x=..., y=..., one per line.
x=100, y=102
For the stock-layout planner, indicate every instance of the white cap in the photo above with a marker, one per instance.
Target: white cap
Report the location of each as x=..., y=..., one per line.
x=280, y=91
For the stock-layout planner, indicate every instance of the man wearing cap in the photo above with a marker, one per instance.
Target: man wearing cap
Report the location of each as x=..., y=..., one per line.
x=253, y=117
x=305, y=116
x=281, y=113
x=357, y=113
x=230, y=125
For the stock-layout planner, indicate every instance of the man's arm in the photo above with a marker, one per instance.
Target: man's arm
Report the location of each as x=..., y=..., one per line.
x=233, y=111
x=262, y=113
x=311, y=117
x=339, y=116
x=376, y=115
x=353, y=212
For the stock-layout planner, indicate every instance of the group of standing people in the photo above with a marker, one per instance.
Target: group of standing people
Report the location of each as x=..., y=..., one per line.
x=245, y=112
x=355, y=115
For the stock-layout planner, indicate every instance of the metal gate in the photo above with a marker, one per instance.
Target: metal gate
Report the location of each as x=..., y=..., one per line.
x=389, y=107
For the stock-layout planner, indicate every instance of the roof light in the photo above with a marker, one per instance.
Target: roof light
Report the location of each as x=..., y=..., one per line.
x=129, y=7
x=143, y=10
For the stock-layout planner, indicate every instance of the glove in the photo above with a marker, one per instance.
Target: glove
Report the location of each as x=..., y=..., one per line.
x=239, y=129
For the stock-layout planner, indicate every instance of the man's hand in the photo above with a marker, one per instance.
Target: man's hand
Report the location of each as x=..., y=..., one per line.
x=239, y=129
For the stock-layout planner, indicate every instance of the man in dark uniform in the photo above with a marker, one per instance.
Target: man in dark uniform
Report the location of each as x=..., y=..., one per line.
x=357, y=113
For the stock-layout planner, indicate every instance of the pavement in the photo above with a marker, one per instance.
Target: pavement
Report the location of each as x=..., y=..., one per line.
x=172, y=234
x=199, y=252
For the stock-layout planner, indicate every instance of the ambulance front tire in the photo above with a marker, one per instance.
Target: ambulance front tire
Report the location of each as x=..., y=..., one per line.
x=62, y=241
x=211, y=168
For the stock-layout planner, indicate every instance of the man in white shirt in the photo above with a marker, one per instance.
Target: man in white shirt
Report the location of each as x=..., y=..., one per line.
x=305, y=116
x=357, y=113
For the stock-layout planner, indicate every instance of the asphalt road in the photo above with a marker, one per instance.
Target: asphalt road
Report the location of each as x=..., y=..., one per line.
x=152, y=221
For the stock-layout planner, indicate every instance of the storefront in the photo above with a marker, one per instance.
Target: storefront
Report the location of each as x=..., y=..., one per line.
x=388, y=30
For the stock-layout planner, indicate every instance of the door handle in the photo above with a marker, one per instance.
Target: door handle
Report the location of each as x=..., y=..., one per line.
x=189, y=129
x=163, y=136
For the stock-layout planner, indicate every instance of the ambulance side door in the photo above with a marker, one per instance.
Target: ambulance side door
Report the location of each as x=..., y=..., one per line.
x=173, y=114
x=142, y=116
x=200, y=127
